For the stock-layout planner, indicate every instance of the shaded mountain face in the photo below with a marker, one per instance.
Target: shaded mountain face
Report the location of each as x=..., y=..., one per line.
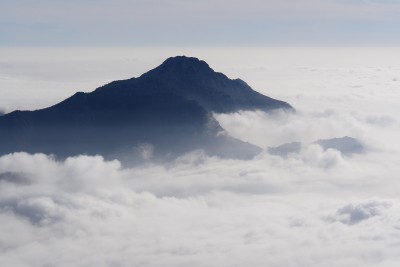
x=162, y=114
x=194, y=79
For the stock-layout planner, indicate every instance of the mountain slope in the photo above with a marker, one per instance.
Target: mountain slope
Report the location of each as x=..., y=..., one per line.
x=168, y=109
x=194, y=79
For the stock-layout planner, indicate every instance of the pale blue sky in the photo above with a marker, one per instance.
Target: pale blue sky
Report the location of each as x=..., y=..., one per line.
x=206, y=22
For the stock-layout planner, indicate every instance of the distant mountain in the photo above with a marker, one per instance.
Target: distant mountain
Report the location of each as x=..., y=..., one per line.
x=163, y=113
x=286, y=149
x=345, y=145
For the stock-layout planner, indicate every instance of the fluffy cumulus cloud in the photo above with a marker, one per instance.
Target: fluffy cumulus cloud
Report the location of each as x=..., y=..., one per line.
x=315, y=206
x=198, y=211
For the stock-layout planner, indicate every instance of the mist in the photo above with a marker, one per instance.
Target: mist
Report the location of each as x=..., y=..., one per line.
x=314, y=206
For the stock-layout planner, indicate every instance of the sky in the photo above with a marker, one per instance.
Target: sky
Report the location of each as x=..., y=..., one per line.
x=200, y=23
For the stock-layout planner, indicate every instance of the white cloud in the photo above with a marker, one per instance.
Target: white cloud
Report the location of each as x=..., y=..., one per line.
x=274, y=129
x=86, y=211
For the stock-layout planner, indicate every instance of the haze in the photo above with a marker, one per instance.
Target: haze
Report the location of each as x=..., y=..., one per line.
x=221, y=22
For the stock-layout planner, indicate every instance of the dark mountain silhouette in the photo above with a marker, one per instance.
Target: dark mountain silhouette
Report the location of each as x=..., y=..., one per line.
x=194, y=79
x=168, y=109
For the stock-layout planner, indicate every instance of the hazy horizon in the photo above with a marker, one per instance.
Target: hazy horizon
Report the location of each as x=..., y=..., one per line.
x=55, y=73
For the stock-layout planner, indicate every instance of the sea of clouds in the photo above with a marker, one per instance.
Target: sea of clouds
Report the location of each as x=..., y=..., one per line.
x=312, y=207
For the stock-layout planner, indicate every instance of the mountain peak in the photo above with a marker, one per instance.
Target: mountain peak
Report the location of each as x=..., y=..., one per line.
x=184, y=61
x=195, y=80
x=183, y=65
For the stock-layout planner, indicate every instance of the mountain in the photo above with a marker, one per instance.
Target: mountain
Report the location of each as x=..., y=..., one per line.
x=195, y=80
x=286, y=149
x=163, y=113
x=346, y=145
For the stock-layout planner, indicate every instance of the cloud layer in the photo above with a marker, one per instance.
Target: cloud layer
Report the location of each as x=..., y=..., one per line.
x=318, y=208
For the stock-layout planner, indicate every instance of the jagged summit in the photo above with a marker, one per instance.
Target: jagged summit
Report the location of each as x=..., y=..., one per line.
x=169, y=107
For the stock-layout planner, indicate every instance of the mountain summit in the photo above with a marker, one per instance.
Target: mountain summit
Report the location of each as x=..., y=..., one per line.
x=163, y=113
x=194, y=79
